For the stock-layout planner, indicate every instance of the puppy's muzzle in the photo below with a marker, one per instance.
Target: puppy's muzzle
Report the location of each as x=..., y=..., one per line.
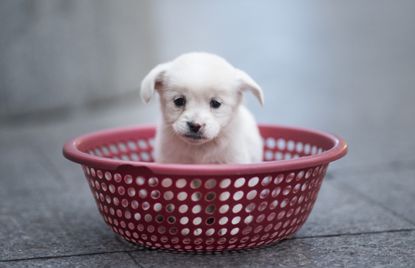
x=195, y=131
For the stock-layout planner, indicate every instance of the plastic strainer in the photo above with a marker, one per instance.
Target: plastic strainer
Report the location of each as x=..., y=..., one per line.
x=205, y=208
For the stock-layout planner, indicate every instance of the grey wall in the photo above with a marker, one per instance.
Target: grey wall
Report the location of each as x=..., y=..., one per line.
x=59, y=54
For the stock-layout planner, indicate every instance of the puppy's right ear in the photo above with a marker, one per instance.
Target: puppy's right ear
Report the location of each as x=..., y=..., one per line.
x=153, y=81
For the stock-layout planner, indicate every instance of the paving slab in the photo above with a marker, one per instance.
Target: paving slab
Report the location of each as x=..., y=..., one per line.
x=88, y=261
x=391, y=187
x=341, y=211
x=395, y=249
x=40, y=216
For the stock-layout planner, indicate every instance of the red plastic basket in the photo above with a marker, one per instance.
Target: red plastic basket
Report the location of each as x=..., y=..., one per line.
x=205, y=208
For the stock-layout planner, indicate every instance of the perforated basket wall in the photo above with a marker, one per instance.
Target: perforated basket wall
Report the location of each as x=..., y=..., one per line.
x=199, y=207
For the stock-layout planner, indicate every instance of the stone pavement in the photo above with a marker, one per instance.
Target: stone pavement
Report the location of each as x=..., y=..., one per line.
x=355, y=77
x=364, y=215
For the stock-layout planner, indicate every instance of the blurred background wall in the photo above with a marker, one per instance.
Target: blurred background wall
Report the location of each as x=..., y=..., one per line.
x=57, y=56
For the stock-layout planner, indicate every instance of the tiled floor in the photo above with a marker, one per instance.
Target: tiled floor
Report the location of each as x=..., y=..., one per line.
x=358, y=81
x=364, y=214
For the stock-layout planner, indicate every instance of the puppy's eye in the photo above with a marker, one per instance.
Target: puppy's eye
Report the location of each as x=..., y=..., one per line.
x=180, y=101
x=215, y=104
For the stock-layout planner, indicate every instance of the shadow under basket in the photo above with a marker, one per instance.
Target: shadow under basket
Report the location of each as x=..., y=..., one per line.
x=204, y=208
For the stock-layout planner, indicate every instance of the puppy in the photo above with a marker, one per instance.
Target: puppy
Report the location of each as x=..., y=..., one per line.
x=203, y=118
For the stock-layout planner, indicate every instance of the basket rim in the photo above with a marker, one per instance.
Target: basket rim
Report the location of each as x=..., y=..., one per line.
x=71, y=152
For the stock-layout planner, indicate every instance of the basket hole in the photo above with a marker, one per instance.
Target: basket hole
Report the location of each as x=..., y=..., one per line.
x=197, y=231
x=290, y=177
x=210, y=209
x=210, y=231
x=251, y=194
x=281, y=214
x=268, y=155
x=153, y=181
x=168, y=195
x=142, y=193
x=124, y=202
x=197, y=221
x=236, y=220
x=131, y=192
x=279, y=156
x=275, y=192
x=262, y=206
x=180, y=183
x=184, y=220
x=260, y=218
x=284, y=203
x=248, y=219
x=159, y=218
x=167, y=182
x=148, y=218
x=278, y=179
x=210, y=184
x=299, y=147
x=281, y=144
x=196, y=209
x=238, y=195
x=271, y=216
x=155, y=194
x=185, y=231
x=108, y=176
x=225, y=183
x=235, y=231
x=250, y=207
x=139, y=180
x=237, y=208
x=293, y=201
x=210, y=221
x=171, y=219
x=290, y=145
x=183, y=208
x=134, y=204
x=210, y=196
x=224, y=208
x=196, y=196
x=270, y=143
x=307, y=149
x=137, y=216
x=266, y=181
x=222, y=232
x=223, y=220
x=224, y=196
x=253, y=181
x=170, y=208
x=195, y=184
x=145, y=205
x=117, y=177
x=264, y=194
x=157, y=207
x=182, y=196
x=121, y=190
x=239, y=182
x=287, y=190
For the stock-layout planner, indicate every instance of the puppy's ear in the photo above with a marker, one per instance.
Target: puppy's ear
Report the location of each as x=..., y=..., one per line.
x=153, y=81
x=247, y=83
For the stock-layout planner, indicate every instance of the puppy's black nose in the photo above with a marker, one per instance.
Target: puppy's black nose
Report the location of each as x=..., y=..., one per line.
x=194, y=127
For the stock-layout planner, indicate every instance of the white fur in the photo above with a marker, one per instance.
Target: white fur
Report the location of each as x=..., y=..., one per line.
x=228, y=134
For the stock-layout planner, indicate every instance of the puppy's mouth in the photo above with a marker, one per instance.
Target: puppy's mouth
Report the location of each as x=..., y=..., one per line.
x=195, y=137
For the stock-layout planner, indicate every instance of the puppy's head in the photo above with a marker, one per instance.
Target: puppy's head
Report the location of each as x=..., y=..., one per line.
x=199, y=94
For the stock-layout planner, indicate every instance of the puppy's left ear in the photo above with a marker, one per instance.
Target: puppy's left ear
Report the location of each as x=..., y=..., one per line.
x=247, y=83
x=153, y=81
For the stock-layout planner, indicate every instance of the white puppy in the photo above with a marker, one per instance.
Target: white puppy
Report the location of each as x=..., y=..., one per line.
x=203, y=118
